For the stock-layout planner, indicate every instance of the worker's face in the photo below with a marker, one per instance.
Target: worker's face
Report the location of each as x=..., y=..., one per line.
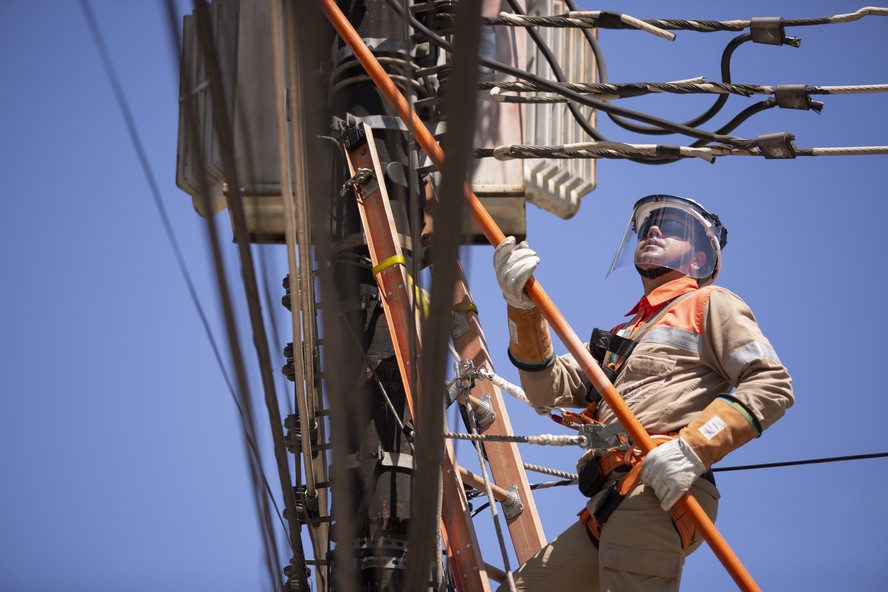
x=665, y=238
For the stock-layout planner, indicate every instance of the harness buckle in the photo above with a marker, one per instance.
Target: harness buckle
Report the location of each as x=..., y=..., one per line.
x=604, y=436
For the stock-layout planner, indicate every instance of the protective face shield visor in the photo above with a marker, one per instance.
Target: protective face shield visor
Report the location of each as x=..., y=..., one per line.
x=669, y=231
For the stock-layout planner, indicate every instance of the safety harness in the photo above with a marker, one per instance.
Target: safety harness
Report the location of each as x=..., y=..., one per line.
x=612, y=350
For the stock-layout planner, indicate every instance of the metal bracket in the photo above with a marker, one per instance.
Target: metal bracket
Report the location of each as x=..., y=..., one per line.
x=602, y=437
x=512, y=506
x=484, y=414
x=399, y=460
x=387, y=553
x=392, y=122
x=463, y=382
x=360, y=180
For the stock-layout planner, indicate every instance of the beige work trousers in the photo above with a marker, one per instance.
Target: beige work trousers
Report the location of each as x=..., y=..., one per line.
x=639, y=551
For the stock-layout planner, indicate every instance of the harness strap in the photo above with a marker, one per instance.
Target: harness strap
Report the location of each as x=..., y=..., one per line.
x=617, y=359
x=615, y=495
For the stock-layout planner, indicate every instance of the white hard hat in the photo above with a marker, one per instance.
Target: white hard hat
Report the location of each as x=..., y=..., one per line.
x=678, y=217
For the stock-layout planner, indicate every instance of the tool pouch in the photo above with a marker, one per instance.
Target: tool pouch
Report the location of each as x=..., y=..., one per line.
x=590, y=478
x=592, y=395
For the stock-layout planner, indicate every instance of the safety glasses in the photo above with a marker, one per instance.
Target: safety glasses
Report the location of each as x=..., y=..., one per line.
x=668, y=227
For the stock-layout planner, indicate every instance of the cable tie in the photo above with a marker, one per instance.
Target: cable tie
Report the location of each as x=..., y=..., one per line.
x=465, y=307
x=669, y=151
x=503, y=152
x=611, y=20
x=632, y=89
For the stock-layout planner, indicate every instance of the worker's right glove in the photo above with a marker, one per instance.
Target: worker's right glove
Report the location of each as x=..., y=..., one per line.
x=514, y=265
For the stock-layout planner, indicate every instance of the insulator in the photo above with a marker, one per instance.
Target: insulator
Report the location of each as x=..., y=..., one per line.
x=294, y=583
x=307, y=506
x=289, y=369
x=293, y=436
x=285, y=299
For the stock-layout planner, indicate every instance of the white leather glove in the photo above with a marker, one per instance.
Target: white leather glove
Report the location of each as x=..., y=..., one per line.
x=670, y=469
x=514, y=266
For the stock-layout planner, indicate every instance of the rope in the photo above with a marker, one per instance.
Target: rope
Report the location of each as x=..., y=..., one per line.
x=512, y=389
x=540, y=439
x=548, y=471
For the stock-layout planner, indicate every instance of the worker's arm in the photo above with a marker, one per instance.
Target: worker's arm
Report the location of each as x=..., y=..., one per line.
x=734, y=346
x=546, y=378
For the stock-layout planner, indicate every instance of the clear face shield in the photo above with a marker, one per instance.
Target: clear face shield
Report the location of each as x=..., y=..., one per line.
x=671, y=232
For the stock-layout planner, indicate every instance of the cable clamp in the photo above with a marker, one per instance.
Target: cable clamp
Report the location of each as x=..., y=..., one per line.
x=769, y=30
x=796, y=96
x=779, y=145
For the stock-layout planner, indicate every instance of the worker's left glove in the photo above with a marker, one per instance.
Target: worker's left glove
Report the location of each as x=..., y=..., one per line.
x=670, y=469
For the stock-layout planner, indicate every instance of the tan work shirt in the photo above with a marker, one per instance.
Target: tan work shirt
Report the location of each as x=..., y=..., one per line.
x=706, y=345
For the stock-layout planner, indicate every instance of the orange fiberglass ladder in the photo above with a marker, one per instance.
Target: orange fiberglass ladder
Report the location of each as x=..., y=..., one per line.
x=397, y=297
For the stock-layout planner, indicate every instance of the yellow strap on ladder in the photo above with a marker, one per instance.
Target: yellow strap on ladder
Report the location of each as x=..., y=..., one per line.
x=390, y=262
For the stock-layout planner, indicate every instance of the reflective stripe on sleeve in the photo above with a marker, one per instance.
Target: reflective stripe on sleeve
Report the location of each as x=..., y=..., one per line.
x=750, y=352
x=678, y=338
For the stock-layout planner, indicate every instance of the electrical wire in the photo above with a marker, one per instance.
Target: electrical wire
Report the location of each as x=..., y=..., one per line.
x=135, y=138
x=713, y=110
x=581, y=99
x=260, y=341
x=559, y=74
x=795, y=463
x=570, y=482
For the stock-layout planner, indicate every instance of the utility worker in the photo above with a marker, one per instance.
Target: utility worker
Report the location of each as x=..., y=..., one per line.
x=694, y=368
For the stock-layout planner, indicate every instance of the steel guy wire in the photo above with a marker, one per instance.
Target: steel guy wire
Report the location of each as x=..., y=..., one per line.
x=615, y=20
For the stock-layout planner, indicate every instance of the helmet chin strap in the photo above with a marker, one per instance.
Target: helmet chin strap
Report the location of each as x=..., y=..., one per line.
x=652, y=273
x=674, y=265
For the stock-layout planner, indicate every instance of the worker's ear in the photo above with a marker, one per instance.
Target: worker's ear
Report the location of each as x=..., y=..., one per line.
x=698, y=262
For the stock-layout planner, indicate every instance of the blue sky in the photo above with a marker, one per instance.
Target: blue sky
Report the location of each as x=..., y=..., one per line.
x=120, y=451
